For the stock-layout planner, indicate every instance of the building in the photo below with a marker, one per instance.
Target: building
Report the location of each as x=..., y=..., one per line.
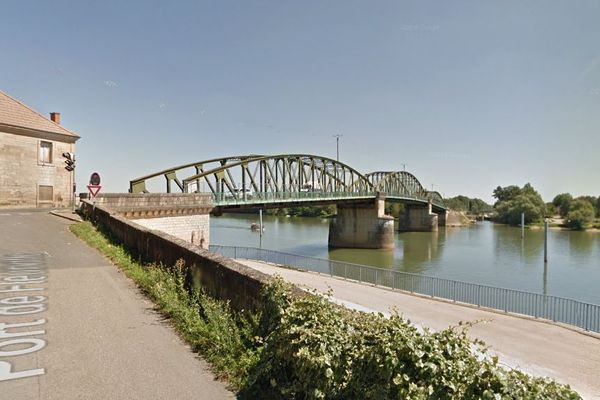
x=32, y=168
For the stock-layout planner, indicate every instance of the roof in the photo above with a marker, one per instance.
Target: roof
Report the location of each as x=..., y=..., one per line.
x=16, y=114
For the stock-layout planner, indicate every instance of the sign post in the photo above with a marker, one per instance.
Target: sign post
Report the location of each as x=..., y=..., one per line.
x=94, y=186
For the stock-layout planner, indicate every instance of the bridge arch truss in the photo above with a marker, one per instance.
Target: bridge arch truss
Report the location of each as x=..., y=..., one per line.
x=257, y=179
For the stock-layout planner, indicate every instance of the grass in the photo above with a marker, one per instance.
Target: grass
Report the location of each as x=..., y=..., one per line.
x=223, y=337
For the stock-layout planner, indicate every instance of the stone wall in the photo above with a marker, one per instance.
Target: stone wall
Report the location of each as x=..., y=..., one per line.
x=164, y=202
x=457, y=218
x=191, y=228
x=220, y=277
x=22, y=173
x=183, y=215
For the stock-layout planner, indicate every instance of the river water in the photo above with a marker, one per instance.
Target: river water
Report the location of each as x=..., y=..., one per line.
x=484, y=253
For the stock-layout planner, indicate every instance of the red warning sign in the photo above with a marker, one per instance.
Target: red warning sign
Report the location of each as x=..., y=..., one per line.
x=94, y=189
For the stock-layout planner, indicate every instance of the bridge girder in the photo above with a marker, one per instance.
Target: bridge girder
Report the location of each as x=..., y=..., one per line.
x=252, y=177
x=402, y=184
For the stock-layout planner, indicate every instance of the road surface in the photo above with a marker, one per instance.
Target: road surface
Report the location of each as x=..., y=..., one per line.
x=87, y=332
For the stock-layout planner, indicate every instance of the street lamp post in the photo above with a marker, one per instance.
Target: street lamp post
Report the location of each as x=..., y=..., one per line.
x=337, y=145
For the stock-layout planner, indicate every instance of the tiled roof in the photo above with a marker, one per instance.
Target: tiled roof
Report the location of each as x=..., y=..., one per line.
x=15, y=113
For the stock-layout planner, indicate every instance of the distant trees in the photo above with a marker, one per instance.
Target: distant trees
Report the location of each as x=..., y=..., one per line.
x=562, y=202
x=467, y=204
x=506, y=193
x=513, y=200
x=308, y=211
x=578, y=213
x=581, y=213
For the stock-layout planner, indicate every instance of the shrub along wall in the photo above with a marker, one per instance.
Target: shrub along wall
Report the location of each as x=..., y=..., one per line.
x=219, y=277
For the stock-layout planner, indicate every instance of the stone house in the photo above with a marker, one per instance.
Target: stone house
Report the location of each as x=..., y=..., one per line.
x=32, y=167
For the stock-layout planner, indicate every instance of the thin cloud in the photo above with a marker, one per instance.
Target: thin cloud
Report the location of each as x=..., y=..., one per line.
x=111, y=84
x=590, y=67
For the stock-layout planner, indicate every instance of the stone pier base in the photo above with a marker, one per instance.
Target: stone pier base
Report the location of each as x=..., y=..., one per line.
x=363, y=226
x=419, y=218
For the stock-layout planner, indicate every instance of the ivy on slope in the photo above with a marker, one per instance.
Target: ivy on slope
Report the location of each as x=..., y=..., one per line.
x=318, y=350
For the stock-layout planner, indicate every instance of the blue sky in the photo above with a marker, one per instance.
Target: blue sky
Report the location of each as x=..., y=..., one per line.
x=469, y=94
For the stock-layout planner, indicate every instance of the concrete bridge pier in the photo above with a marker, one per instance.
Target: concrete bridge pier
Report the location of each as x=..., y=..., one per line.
x=362, y=226
x=420, y=218
x=442, y=217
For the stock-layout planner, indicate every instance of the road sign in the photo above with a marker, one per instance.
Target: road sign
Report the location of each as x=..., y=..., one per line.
x=95, y=179
x=94, y=189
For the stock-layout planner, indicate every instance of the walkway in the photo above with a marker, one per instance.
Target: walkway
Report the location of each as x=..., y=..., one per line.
x=536, y=347
x=100, y=337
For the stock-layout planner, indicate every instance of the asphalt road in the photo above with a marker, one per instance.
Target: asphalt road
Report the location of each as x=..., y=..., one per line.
x=541, y=349
x=87, y=332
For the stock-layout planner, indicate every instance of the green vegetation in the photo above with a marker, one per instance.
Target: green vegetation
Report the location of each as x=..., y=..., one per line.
x=562, y=202
x=513, y=200
x=394, y=209
x=581, y=214
x=308, y=211
x=309, y=348
x=468, y=205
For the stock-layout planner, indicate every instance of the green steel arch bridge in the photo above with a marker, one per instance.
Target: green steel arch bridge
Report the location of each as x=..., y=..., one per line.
x=284, y=180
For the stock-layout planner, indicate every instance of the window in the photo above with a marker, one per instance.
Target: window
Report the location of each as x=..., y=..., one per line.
x=45, y=152
x=45, y=193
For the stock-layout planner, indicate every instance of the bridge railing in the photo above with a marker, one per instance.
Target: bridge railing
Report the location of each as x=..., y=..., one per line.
x=557, y=309
x=223, y=199
x=227, y=199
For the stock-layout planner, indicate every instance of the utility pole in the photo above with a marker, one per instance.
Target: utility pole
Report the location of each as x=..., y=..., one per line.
x=337, y=145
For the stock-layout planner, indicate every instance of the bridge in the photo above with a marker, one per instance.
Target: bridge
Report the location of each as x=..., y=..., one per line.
x=288, y=180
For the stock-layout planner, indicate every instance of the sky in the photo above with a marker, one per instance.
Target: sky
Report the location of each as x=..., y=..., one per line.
x=469, y=95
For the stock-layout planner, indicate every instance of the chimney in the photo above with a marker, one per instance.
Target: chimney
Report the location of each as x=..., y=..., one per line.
x=55, y=117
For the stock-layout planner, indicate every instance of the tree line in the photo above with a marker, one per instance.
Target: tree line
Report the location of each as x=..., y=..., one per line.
x=469, y=205
x=578, y=213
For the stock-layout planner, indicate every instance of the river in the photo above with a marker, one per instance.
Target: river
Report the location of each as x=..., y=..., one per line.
x=483, y=253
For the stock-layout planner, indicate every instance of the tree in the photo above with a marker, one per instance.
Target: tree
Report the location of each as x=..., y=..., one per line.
x=551, y=210
x=467, y=204
x=562, y=202
x=580, y=214
x=598, y=207
x=506, y=193
x=512, y=201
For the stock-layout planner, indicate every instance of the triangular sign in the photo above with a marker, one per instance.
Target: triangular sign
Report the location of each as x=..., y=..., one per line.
x=94, y=189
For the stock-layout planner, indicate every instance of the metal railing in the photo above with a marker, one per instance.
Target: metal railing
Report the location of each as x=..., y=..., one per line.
x=228, y=199
x=557, y=309
x=223, y=199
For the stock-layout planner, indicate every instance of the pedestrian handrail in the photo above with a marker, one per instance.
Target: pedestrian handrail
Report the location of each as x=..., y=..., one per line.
x=557, y=309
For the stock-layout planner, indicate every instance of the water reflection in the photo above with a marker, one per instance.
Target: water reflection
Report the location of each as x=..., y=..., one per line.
x=419, y=250
x=483, y=253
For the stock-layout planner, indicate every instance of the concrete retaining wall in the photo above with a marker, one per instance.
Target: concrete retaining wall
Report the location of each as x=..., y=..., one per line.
x=191, y=228
x=220, y=277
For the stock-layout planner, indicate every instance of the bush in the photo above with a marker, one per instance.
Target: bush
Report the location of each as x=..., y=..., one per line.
x=563, y=202
x=512, y=201
x=581, y=214
x=318, y=350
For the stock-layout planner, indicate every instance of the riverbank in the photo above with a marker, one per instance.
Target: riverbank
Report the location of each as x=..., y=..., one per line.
x=533, y=346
